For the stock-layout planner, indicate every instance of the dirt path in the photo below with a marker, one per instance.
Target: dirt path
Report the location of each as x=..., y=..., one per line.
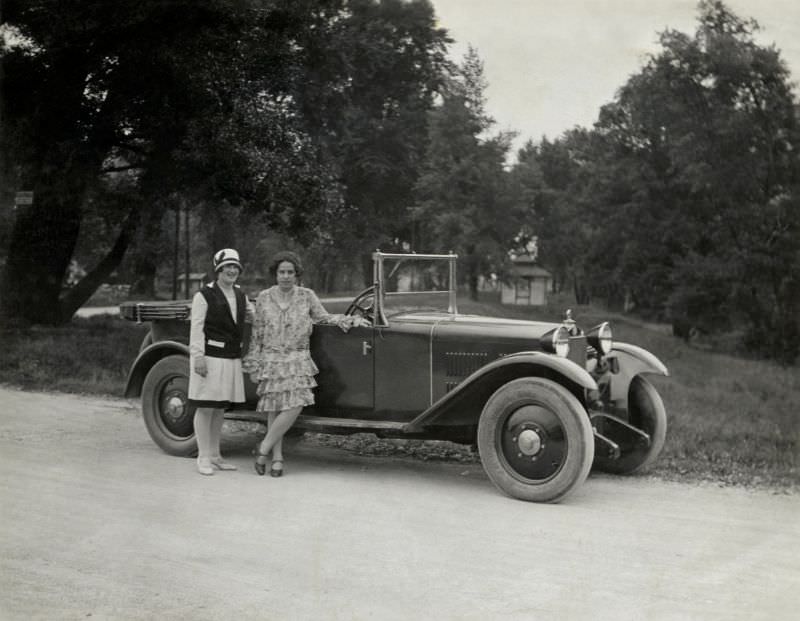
x=96, y=522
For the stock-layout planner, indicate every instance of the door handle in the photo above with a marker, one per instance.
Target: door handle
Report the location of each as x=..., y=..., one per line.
x=365, y=348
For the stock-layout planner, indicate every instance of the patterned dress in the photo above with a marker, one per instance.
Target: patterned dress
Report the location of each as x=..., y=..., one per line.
x=278, y=360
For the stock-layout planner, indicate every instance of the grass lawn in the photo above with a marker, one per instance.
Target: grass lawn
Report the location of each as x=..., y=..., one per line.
x=731, y=420
x=89, y=356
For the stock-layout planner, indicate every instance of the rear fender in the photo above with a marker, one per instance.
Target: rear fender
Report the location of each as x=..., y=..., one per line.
x=146, y=359
x=463, y=405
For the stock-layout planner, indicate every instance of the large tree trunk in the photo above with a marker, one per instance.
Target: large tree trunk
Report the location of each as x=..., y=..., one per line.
x=473, y=265
x=41, y=248
x=42, y=243
x=78, y=295
x=56, y=168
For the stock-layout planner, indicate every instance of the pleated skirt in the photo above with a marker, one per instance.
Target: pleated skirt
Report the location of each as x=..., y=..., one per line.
x=222, y=386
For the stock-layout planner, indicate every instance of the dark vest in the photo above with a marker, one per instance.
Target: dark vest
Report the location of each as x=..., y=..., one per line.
x=223, y=337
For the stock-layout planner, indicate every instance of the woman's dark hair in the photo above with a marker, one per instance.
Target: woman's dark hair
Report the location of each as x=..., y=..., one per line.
x=285, y=255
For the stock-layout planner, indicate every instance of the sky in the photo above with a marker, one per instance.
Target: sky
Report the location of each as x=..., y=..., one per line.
x=551, y=64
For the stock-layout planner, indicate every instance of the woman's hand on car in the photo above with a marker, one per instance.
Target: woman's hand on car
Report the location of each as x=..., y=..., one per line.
x=352, y=321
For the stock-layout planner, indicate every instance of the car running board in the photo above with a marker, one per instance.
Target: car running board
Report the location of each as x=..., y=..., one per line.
x=325, y=422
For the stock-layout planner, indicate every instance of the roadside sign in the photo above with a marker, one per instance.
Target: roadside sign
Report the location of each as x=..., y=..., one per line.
x=23, y=198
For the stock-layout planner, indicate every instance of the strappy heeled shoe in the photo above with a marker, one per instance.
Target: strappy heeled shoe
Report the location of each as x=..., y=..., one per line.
x=261, y=467
x=276, y=472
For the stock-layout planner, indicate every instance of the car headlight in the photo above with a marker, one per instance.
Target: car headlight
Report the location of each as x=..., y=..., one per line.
x=556, y=341
x=600, y=338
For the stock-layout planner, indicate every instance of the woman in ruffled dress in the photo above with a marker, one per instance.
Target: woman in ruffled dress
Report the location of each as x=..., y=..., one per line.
x=279, y=361
x=219, y=311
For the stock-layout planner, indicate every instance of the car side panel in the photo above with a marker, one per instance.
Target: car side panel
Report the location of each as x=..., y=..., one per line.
x=402, y=370
x=458, y=351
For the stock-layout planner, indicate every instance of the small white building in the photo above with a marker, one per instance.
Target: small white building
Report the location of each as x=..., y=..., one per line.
x=528, y=284
x=196, y=282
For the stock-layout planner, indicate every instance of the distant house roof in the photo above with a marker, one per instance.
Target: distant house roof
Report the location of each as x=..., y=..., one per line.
x=535, y=271
x=525, y=265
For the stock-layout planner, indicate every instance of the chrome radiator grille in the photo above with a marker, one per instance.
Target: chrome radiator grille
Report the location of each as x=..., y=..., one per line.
x=577, y=350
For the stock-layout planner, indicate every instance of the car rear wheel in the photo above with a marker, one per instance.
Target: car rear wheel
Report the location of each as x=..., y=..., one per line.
x=167, y=415
x=535, y=440
x=646, y=412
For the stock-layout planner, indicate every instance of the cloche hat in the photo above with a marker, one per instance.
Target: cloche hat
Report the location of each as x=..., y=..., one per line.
x=228, y=256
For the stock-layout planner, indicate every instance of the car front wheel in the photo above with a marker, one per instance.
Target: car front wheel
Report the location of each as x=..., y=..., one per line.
x=167, y=415
x=535, y=440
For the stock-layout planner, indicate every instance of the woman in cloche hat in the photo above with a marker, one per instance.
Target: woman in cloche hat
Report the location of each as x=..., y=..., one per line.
x=219, y=312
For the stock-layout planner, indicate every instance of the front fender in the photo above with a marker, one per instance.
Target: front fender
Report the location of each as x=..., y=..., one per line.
x=562, y=366
x=145, y=361
x=626, y=362
x=643, y=359
x=463, y=404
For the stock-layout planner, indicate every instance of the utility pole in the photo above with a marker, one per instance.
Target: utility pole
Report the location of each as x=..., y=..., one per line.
x=175, y=252
x=186, y=282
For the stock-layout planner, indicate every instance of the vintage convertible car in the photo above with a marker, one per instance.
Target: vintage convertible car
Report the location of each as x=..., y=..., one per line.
x=543, y=402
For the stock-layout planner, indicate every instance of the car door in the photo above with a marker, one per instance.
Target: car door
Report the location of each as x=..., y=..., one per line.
x=346, y=371
x=402, y=370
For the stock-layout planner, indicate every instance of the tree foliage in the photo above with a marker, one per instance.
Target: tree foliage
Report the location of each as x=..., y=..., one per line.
x=309, y=113
x=372, y=72
x=689, y=182
x=343, y=125
x=462, y=194
x=127, y=104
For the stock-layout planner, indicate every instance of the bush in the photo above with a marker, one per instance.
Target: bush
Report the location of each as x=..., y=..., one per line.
x=87, y=355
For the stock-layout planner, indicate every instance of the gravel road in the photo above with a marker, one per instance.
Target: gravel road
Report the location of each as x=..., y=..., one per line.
x=96, y=522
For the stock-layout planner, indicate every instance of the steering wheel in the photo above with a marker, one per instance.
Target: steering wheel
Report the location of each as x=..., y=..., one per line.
x=363, y=305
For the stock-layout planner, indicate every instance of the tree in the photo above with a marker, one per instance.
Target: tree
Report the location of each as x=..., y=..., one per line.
x=547, y=179
x=462, y=192
x=189, y=98
x=706, y=140
x=372, y=70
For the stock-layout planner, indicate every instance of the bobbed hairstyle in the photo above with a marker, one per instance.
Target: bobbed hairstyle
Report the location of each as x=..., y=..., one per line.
x=285, y=255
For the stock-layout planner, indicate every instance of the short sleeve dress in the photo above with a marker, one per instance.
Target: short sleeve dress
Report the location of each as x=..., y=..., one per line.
x=279, y=361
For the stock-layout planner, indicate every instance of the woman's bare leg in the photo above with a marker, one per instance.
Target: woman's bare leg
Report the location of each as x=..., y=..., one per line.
x=278, y=426
x=202, y=431
x=277, y=449
x=217, y=419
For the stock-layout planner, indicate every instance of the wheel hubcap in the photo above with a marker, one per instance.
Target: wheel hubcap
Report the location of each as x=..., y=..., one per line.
x=174, y=407
x=174, y=410
x=529, y=441
x=533, y=443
